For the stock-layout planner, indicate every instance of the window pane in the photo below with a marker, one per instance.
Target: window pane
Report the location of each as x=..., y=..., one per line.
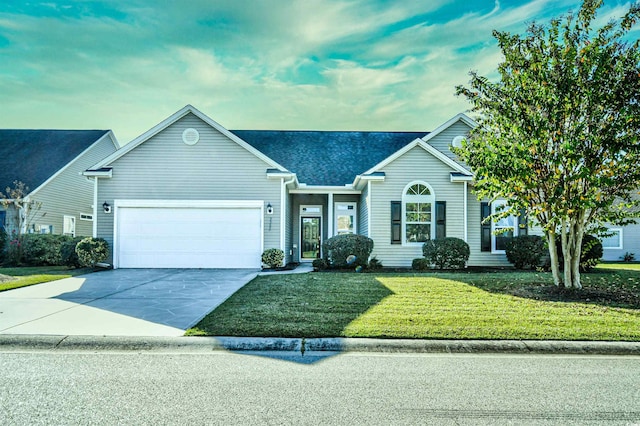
x=501, y=240
x=425, y=207
x=418, y=233
x=613, y=241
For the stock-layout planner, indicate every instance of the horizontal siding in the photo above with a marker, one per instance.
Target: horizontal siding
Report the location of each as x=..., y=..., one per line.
x=630, y=243
x=417, y=164
x=216, y=168
x=442, y=141
x=70, y=193
x=478, y=257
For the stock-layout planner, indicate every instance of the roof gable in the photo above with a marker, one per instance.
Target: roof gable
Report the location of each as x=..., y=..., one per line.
x=34, y=156
x=327, y=158
x=188, y=109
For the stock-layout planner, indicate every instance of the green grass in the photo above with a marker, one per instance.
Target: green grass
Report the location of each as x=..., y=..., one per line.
x=474, y=305
x=25, y=276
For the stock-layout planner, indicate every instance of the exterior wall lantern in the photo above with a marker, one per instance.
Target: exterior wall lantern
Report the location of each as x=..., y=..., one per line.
x=106, y=207
x=269, y=209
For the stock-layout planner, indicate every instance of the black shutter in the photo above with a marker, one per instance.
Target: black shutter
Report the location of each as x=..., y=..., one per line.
x=396, y=222
x=441, y=219
x=485, y=227
x=523, y=228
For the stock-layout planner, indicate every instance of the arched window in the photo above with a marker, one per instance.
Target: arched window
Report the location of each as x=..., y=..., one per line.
x=418, y=211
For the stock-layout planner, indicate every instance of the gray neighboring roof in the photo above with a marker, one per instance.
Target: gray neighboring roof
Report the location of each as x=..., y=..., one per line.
x=327, y=158
x=33, y=156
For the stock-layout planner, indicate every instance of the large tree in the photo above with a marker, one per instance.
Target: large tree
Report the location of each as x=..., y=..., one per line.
x=558, y=132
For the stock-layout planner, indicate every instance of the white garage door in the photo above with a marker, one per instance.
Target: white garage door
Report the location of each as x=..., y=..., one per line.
x=160, y=237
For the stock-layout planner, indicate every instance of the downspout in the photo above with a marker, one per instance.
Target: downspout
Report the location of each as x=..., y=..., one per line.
x=368, y=207
x=465, y=213
x=95, y=207
x=283, y=214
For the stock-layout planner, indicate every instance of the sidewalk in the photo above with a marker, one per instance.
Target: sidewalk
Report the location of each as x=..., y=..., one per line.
x=190, y=344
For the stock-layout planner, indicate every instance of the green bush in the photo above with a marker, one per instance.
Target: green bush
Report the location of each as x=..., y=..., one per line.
x=42, y=249
x=4, y=242
x=68, y=255
x=590, y=254
x=420, y=264
x=91, y=251
x=446, y=253
x=337, y=249
x=273, y=257
x=320, y=264
x=525, y=251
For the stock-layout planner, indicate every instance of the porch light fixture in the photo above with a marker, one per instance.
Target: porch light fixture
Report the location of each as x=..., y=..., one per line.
x=106, y=207
x=269, y=208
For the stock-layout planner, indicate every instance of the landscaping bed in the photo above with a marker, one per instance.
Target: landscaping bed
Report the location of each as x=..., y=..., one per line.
x=448, y=305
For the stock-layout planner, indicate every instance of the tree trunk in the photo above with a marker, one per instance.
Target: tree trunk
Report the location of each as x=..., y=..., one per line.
x=572, y=233
x=553, y=257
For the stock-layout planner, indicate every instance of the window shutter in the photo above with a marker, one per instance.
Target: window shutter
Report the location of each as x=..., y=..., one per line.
x=485, y=227
x=396, y=222
x=441, y=217
x=523, y=228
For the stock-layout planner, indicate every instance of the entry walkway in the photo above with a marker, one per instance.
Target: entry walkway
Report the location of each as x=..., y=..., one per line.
x=121, y=302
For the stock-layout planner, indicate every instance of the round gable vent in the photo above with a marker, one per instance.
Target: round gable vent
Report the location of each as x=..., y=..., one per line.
x=457, y=141
x=190, y=136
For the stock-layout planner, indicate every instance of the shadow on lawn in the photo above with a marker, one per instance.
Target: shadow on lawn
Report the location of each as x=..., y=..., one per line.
x=604, y=287
x=294, y=307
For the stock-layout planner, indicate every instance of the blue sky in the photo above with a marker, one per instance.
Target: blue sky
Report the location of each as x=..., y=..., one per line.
x=259, y=64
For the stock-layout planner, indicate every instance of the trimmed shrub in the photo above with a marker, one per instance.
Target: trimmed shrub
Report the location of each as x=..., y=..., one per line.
x=590, y=254
x=273, y=257
x=320, y=264
x=42, y=249
x=91, y=251
x=337, y=249
x=525, y=251
x=4, y=242
x=446, y=253
x=420, y=264
x=68, y=255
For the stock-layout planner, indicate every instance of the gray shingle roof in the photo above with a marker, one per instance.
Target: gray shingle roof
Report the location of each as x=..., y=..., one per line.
x=33, y=156
x=327, y=157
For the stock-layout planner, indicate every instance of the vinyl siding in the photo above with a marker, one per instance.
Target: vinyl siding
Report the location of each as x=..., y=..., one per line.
x=630, y=243
x=478, y=257
x=69, y=193
x=442, y=141
x=216, y=168
x=415, y=165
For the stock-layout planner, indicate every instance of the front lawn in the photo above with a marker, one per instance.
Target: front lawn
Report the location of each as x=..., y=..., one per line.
x=11, y=278
x=465, y=305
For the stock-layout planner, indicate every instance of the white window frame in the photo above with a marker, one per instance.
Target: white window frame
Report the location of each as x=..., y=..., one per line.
x=621, y=243
x=354, y=209
x=86, y=216
x=495, y=227
x=422, y=199
x=65, y=230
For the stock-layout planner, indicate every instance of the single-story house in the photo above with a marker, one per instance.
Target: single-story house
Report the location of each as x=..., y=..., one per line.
x=189, y=193
x=50, y=163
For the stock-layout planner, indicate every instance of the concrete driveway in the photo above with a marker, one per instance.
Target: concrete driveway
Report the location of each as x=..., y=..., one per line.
x=121, y=302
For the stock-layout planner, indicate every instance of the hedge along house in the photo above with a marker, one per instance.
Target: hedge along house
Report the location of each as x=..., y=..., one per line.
x=50, y=163
x=190, y=193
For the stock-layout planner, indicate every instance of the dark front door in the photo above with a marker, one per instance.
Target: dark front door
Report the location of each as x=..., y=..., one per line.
x=310, y=231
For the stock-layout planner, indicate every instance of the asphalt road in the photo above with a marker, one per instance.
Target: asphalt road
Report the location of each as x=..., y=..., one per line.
x=45, y=387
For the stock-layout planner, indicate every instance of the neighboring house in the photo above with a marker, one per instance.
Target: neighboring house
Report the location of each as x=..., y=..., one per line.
x=190, y=193
x=50, y=163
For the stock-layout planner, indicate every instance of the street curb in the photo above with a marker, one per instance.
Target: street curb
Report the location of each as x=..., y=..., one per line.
x=16, y=343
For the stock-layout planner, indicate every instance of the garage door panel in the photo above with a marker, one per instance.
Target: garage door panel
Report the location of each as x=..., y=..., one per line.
x=189, y=238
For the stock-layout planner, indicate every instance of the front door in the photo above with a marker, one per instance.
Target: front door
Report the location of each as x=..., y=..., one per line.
x=310, y=231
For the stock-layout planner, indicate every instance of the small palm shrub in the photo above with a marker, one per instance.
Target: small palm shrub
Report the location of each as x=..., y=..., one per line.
x=273, y=257
x=348, y=250
x=446, y=253
x=525, y=251
x=91, y=251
